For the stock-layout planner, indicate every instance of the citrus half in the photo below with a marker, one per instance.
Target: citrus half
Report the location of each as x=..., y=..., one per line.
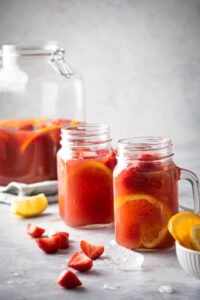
x=180, y=226
x=151, y=214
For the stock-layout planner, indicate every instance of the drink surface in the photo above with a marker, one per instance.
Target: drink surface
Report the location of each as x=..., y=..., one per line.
x=85, y=187
x=28, y=150
x=146, y=196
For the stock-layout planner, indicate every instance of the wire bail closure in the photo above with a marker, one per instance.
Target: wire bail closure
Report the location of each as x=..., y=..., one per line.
x=59, y=63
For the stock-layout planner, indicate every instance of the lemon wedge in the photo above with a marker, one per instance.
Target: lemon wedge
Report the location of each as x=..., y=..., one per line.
x=29, y=207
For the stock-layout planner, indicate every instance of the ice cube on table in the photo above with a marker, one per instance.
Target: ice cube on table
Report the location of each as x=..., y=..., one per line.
x=165, y=289
x=120, y=258
x=108, y=286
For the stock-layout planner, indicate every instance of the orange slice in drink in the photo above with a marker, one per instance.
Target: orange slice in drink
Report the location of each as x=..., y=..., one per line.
x=41, y=131
x=19, y=123
x=89, y=189
x=149, y=213
x=181, y=225
x=75, y=122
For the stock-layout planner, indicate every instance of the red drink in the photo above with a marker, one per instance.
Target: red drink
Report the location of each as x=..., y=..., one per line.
x=85, y=185
x=146, y=196
x=28, y=150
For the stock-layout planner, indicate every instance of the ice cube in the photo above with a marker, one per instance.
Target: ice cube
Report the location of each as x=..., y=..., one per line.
x=109, y=286
x=121, y=258
x=165, y=289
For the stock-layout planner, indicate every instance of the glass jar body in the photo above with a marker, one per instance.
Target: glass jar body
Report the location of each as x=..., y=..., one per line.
x=28, y=150
x=85, y=184
x=146, y=196
x=36, y=101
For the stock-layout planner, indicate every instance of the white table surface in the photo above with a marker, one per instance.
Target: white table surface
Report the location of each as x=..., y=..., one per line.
x=28, y=273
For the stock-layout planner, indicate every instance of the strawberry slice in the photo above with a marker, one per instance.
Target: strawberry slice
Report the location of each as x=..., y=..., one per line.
x=26, y=127
x=64, y=241
x=35, y=231
x=80, y=262
x=49, y=245
x=68, y=280
x=92, y=251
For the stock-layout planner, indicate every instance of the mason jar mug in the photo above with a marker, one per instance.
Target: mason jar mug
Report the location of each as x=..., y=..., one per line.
x=146, y=192
x=85, y=179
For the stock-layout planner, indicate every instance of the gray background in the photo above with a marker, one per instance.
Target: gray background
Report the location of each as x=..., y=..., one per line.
x=140, y=61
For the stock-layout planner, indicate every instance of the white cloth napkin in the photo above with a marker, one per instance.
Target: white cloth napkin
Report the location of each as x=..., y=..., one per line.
x=20, y=191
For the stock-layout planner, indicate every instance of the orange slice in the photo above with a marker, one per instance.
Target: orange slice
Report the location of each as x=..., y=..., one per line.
x=89, y=190
x=30, y=207
x=75, y=122
x=151, y=214
x=195, y=237
x=18, y=123
x=36, y=133
x=180, y=227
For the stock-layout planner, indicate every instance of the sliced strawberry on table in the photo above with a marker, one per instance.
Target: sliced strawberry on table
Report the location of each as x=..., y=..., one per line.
x=80, y=262
x=49, y=245
x=64, y=239
x=91, y=250
x=35, y=231
x=68, y=280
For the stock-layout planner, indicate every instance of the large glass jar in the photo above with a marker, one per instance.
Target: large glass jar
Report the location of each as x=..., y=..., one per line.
x=39, y=93
x=85, y=183
x=146, y=192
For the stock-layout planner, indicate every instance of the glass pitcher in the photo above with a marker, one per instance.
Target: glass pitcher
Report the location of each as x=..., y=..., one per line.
x=39, y=93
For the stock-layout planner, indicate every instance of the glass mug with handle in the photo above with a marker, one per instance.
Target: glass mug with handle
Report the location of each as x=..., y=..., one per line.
x=146, y=192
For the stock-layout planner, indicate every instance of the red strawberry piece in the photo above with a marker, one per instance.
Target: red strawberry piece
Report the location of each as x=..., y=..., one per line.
x=92, y=251
x=80, y=262
x=26, y=127
x=129, y=176
x=35, y=231
x=64, y=241
x=68, y=280
x=108, y=158
x=49, y=245
x=148, y=162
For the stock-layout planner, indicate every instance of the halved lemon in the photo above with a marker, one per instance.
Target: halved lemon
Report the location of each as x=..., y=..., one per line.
x=151, y=214
x=195, y=237
x=180, y=227
x=29, y=207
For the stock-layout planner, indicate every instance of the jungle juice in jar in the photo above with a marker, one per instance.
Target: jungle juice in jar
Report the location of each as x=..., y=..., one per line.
x=85, y=166
x=145, y=193
x=28, y=149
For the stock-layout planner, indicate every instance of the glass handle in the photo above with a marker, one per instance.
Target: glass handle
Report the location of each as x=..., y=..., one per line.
x=193, y=179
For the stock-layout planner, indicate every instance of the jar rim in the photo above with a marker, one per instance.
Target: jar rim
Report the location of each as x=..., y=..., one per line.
x=132, y=148
x=145, y=143
x=85, y=134
x=81, y=128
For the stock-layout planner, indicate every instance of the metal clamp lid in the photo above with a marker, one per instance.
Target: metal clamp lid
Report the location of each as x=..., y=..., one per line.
x=52, y=49
x=59, y=63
